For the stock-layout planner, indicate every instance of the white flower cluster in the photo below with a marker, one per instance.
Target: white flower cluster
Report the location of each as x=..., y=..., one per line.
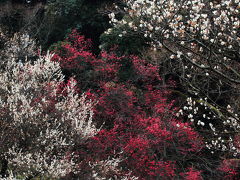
x=183, y=19
x=40, y=120
x=220, y=127
x=102, y=169
x=30, y=163
x=204, y=33
x=19, y=47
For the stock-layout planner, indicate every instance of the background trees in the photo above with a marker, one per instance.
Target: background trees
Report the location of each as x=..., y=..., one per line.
x=159, y=98
x=50, y=21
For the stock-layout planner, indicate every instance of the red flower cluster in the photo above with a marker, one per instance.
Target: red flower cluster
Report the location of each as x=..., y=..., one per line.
x=135, y=112
x=228, y=167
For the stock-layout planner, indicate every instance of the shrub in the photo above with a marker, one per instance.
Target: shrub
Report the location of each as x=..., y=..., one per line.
x=138, y=120
x=41, y=121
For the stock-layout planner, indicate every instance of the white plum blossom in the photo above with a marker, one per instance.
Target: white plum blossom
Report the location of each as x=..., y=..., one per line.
x=40, y=120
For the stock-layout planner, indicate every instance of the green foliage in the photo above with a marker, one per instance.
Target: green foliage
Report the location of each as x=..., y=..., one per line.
x=129, y=43
x=61, y=16
x=57, y=46
x=12, y=22
x=2, y=1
